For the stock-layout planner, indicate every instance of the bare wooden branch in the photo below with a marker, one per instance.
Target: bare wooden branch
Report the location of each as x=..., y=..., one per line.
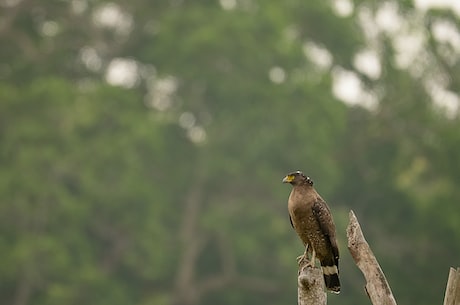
x=310, y=285
x=452, y=296
x=377, y=287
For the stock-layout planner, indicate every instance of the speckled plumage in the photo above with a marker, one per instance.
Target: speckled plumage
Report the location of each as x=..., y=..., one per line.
x=312, y=220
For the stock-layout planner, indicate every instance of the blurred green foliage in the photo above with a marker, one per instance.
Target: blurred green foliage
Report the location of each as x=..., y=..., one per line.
x=164, y=187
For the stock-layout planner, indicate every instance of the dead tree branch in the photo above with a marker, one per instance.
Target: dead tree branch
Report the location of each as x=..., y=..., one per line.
x=452, y=296
x=310, y=285
x=377, y=287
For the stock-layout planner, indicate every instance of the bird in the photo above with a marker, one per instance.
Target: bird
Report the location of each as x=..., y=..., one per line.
x=311, y=218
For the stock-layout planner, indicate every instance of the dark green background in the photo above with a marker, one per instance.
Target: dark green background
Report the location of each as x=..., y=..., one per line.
x=106, y=199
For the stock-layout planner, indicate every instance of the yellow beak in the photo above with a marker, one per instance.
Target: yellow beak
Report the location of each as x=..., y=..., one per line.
x=288, y=179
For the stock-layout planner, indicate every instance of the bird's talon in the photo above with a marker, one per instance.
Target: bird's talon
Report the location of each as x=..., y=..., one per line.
x=300, y=259
x=303, y=260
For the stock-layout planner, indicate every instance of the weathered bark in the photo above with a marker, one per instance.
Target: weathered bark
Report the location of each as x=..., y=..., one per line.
x=377, y=287
x=310, y=285
x=452, y=296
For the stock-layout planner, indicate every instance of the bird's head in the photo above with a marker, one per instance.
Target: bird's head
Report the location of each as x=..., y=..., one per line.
x=297, y=178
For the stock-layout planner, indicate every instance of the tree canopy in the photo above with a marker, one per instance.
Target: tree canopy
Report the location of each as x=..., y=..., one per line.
x=143, y=146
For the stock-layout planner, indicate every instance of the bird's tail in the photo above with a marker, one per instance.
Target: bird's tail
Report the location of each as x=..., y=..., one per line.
x=331, y=275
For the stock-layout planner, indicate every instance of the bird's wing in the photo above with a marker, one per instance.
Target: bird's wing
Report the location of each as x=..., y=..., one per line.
x=324, y=217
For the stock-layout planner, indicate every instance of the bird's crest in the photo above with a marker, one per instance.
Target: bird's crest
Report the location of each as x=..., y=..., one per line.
x=296, y=177
x=306, y=178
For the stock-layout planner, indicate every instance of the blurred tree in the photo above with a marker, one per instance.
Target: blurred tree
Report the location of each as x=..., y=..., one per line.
x=143, y=146
x=395, y=152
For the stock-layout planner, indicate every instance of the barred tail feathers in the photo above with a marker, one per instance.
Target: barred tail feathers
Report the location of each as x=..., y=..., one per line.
x=331, y=277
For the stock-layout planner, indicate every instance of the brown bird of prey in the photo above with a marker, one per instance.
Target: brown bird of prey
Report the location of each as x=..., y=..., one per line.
x=312, y=220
